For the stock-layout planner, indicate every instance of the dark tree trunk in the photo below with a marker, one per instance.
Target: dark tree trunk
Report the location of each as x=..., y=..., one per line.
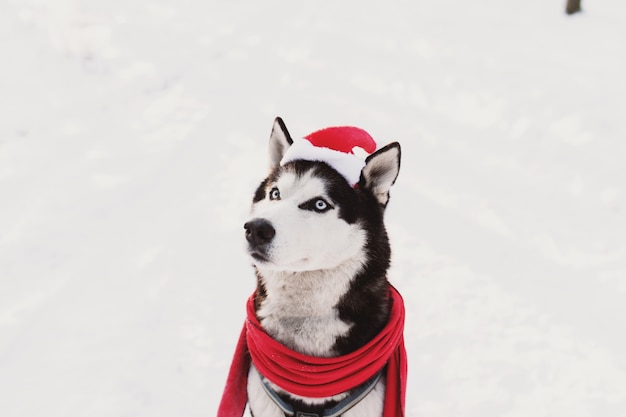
x=573, y=6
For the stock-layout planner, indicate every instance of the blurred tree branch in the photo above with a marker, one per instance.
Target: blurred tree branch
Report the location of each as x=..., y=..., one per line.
x=573, y=6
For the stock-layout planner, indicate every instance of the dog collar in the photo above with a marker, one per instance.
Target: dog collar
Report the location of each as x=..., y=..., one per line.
x=344, y=405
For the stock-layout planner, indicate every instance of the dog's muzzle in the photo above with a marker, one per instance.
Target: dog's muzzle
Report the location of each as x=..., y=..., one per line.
x=259, y=234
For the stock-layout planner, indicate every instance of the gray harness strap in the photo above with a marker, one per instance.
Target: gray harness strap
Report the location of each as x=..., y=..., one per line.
x=344, y=405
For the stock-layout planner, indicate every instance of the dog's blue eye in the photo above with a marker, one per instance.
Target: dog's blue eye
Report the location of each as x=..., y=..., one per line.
x=320, y=205
x=274, y=194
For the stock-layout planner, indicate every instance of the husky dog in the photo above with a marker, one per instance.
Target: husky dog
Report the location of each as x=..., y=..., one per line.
x=321, y=253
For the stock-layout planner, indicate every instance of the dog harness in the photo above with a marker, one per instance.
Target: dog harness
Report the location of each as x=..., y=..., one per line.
x=344, y=405
x=315, y=377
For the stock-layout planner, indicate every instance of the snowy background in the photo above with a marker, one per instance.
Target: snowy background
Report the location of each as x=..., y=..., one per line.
x=133, y=133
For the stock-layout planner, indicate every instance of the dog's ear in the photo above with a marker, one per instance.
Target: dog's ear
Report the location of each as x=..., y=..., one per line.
x=380, y=171
x=280, y=141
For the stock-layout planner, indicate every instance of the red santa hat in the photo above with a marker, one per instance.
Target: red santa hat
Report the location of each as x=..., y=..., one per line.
x=334, y=146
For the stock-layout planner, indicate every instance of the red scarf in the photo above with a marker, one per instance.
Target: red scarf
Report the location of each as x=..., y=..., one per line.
x=312, y=376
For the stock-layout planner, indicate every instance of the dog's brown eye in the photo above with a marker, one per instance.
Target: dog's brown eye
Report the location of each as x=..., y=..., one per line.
x=274, y=194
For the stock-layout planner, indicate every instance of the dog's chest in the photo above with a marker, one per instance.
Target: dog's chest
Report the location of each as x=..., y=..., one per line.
x=309, y=334
x=305, y=318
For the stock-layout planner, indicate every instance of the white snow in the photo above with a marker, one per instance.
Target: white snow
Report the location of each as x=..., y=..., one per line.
x=132, y=135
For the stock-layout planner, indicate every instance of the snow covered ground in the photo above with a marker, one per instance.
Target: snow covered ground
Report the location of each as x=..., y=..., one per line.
x=132, y=134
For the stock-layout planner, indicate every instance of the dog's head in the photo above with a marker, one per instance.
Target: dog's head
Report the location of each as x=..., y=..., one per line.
x=306, y=216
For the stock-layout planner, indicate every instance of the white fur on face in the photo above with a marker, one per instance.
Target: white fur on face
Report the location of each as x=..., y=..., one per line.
x=305, y=240
x=312, y=261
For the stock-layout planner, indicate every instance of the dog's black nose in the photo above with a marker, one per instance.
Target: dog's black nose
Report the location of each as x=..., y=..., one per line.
x=259, y=232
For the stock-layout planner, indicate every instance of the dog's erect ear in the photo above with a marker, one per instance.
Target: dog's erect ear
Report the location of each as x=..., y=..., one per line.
x=380, y=171
x=280, y=141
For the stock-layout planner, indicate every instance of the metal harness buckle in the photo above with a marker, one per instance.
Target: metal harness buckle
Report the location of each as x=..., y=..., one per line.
x=303, y=414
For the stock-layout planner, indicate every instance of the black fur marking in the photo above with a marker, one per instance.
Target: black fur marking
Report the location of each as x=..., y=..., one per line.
x=261, y=292
x=343, y=196
x=284, y=129
x=261, y=191
x=366, y=304
x=259, y=194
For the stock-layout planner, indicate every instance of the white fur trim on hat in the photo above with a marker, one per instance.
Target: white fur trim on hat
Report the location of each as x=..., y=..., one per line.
x=348, y=165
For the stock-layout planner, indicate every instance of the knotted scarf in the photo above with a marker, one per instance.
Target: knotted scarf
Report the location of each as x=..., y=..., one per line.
x=312, y=376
